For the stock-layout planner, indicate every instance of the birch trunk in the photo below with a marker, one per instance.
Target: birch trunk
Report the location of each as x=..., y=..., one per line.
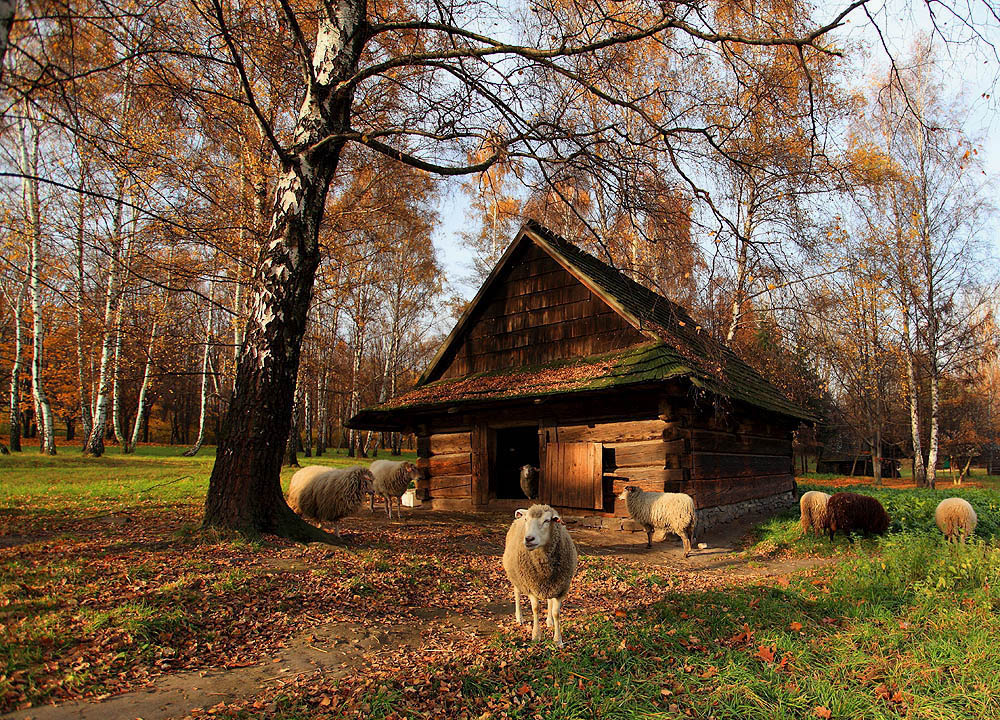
x=352, y=408
x=736, y=312
x=28, y=154
x=321, y=414
x=292, y=443
x=932, y=445
x=112, y=298
x=307, y=410
x=81, y=362
x=15, y=371
x=140, y=411
x=116, y=419
x=193, y=450
x=245, y=487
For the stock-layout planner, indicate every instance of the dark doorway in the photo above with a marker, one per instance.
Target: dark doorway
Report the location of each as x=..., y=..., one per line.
x=515, y=447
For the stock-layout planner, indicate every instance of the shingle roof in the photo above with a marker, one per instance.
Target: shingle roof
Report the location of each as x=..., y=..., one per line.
x=678, y=347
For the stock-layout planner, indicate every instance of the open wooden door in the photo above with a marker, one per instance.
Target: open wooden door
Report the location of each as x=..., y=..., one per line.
x=572, y=475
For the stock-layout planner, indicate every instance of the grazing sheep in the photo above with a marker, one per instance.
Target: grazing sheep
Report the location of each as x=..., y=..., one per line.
x=329, y=494
x=813, y=507
x=671, y=512
x=529, y=481
x=540, y=561
x=847, y=511
x=956, y=518
x=391, y=481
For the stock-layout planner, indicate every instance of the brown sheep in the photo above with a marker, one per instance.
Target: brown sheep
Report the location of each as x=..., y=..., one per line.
x=847, y=512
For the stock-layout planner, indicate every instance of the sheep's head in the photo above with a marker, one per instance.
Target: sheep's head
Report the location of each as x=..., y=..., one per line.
x=538, y=523
x=366, y=482
x=412, y=472
x=528, y=471
x=629, y=491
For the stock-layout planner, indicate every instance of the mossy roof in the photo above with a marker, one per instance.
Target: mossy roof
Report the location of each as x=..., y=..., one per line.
x=678, y=348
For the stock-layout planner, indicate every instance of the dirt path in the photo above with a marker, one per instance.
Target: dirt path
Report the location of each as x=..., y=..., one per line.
x=336, y=649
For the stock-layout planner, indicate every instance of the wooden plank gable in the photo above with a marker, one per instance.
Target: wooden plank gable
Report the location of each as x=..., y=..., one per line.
x=535, y=312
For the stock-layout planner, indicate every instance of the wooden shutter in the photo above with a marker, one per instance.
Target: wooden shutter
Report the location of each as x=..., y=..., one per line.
x=572, y=475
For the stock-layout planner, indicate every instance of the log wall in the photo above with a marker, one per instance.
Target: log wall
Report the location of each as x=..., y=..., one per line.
x=717, y=463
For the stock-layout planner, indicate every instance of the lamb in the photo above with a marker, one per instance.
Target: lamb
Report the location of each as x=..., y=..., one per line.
x=529, y=481
x=540, y=561
x=670, y=512
x=813, y=507
x=391, y=481
x=956, y=518
x=329, y=494
x=847, y=511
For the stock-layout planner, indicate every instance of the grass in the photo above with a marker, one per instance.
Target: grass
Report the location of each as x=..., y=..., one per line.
x=154, y=474
x=901, y=626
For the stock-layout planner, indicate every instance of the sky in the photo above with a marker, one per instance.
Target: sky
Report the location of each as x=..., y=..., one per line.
x=968, y=66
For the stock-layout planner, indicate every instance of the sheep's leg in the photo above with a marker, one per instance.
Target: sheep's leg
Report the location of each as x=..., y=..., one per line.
x=555, y=605
x=371, y=500
x=548, y=613
x=536, y=632
x=687, y=544
x=649, y=536
x=517, y=606
x=388, y=506
x=399, y=507
x=336, y=528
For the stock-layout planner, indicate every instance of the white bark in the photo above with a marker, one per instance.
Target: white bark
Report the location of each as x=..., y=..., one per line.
x=15, y=371
x=28, y=156
x=85, y=416
x=203, y=402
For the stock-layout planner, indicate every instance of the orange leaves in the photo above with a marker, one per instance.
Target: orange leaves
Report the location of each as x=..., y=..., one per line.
x=766, y=653
x=742, y=636
x=822, y=712
x=795, y=626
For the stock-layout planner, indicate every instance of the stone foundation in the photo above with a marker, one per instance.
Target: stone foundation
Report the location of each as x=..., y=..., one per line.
x=710, y=517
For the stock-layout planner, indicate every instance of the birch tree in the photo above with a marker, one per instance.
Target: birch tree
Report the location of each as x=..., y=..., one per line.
x=28, y=157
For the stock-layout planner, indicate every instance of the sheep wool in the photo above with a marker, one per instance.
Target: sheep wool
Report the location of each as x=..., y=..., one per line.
x=956, y=518
x=813, y=509
x=671, y=512
x=329, y=494
x=540, y=561
x=847, y=512
x=392, y=478
x=529, y=481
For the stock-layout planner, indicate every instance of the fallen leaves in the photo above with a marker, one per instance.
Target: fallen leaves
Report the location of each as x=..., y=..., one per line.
x=824, y=713
x=795, y=626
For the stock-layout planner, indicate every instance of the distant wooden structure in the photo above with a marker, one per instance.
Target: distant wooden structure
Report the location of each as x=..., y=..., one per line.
x=857, y=465
x=563, y=362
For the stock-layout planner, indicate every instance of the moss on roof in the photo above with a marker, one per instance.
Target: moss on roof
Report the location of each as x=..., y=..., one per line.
x=678, y=347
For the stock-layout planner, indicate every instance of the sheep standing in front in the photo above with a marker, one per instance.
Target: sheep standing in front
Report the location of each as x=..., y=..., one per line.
x=529, y=481
x=392, y=478
x=540, y=561
x=670, y=512
x=813, y=509
x=847, y=512
x=329, y=494
x=956, y=518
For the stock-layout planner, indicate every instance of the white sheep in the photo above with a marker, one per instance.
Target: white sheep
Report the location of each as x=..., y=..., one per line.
x=956, y=518
x=392, y=478
x=812, y=507
x=670, y=512
x=327, y=493
x=540, y=561
x=529, y=481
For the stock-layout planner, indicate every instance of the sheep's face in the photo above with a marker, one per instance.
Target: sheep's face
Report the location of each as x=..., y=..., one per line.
x=538, y=523
x=367, y=483
x=528, y=471
x=628, y=491
x=412, y=473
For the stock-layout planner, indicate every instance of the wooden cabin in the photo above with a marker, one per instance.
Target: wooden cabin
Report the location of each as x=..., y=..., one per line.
x=563, y=362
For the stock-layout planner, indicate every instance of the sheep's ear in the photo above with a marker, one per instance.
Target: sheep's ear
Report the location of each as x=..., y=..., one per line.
x=556, y=519
x=520, y=512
